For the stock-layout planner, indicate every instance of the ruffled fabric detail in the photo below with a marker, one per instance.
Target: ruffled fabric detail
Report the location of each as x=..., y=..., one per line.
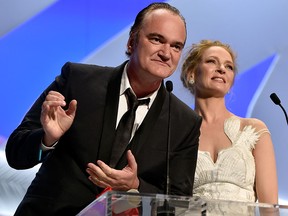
x=232, y=176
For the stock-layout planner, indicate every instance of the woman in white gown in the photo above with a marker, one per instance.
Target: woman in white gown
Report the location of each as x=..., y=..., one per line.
x=236, y=158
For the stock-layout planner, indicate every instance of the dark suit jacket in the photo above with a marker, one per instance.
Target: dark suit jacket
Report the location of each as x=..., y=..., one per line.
x=61, y=186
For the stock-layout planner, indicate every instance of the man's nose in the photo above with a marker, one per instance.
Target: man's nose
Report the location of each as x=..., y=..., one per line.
x=164, y=52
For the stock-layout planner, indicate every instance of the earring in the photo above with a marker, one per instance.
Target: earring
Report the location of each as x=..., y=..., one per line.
x=191, y=81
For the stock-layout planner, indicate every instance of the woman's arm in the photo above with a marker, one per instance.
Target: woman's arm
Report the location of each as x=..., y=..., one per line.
x=266, y=172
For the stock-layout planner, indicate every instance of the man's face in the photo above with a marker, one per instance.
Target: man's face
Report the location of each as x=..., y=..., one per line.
x=157, y=51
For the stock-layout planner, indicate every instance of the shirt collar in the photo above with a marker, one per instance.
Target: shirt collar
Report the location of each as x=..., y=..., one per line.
x=126, y=84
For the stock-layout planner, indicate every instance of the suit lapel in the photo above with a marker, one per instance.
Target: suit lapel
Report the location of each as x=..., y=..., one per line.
x=110, y=115
x=142, y=134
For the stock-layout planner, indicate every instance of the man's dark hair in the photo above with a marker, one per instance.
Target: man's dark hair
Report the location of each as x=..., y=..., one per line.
x=134, y=31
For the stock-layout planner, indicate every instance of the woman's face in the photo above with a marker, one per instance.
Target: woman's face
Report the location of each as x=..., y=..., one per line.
x=215, y=73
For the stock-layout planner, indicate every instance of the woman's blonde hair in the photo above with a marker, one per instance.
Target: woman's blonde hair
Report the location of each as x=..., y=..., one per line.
x=194, y=57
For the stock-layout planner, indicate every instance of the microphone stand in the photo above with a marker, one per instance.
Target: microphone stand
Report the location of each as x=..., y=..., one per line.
x=166, y=209
x=277, y=101
x=284, y=113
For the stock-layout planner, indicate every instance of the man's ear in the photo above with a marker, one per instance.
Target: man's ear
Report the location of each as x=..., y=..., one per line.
x=130, y=45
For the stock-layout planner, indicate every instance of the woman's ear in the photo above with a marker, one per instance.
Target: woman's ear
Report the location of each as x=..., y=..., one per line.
x=191, y=79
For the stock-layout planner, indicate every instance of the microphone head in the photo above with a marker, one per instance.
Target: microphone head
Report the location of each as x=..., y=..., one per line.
x=275, y=99
x=169, y=86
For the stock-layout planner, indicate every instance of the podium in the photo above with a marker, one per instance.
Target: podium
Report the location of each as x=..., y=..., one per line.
x=114, y=203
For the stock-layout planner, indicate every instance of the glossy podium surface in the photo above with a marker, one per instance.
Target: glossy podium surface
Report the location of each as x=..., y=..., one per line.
x=113, y=203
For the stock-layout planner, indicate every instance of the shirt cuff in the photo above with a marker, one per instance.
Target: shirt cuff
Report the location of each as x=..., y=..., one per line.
x=44, y=148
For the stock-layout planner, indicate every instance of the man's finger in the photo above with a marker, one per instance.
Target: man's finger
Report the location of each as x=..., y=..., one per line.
x=105, y=168
x=131, y=160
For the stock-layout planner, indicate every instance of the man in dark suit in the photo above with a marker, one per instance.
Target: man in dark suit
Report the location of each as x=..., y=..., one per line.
x=71, y=126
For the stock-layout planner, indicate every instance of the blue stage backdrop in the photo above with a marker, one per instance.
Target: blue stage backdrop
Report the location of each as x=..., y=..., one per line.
x=37, y=38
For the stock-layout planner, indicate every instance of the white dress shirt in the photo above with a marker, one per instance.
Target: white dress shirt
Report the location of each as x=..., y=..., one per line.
x=123, y=103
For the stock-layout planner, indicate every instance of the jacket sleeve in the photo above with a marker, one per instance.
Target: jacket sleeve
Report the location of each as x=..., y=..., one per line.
x=23, y=145
x=184, y=160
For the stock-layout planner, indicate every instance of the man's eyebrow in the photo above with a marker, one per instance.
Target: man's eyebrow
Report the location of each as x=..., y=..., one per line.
x=153, y=34
x=179, y=43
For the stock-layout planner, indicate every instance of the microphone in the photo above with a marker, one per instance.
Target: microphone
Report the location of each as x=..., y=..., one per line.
x=277, y=101
x=169, y=88
x=166, y=209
